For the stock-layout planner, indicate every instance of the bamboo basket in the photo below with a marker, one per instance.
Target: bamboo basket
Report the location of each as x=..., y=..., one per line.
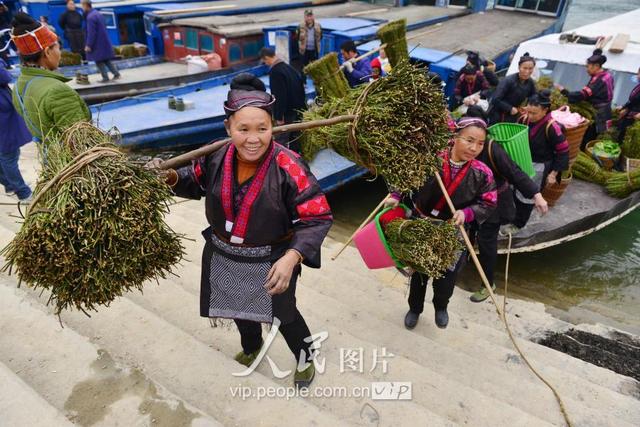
x=630, y=164
x=606, y=162
x=574, y=138
x=553, y=192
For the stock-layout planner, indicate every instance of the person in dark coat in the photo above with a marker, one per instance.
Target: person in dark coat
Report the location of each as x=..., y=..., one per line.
x=598, y=92
x=98, y=46
x=512, y=92
x=472, y=188
x=549, y=151
x=470, y=82
x=5, y=20
x=267, y=215
x=71, y=23
x=356, y=73
x=287, y=86
x=14, y=135
x=508, y=176
x=630, y=111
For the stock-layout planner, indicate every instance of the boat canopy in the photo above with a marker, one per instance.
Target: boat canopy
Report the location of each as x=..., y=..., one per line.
x=564, y=62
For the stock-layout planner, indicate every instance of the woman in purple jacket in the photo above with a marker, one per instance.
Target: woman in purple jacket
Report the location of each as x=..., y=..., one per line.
x=13, y=136
x=99, y=48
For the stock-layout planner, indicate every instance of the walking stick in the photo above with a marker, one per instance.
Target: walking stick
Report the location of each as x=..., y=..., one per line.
x=472, y=252
x=186, y=158
x=365, y=222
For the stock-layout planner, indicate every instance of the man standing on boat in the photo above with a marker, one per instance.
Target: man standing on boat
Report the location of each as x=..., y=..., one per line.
x=309, y=38
x=98, y=46
x=71, y=23
x=287, y=86
x=355, y=72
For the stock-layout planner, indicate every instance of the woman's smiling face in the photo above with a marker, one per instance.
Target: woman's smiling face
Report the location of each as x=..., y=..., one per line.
x=250, y=129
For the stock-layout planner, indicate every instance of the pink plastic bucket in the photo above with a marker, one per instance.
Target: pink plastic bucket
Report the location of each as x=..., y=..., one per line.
x=373, y=247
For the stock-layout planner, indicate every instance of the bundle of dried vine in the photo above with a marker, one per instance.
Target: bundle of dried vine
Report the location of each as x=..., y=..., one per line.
x=426, y=245
x=328, y=78
x=394, y=36
x=400, y=127
x=95, y=228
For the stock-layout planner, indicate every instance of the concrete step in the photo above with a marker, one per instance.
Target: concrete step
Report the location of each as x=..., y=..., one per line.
x=76, y=376
x=182, y=365
x=20, y=405
x=429, y=385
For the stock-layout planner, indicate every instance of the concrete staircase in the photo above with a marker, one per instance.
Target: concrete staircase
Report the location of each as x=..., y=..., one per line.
x=149, y=359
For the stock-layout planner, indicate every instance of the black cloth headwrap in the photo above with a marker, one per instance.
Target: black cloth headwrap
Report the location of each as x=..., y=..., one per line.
x=526, y=58
x=542, y=98
x=239, y=98
x=469, y=69
x=597, y=58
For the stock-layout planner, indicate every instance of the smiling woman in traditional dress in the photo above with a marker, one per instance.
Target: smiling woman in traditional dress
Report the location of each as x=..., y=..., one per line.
x=267, y=215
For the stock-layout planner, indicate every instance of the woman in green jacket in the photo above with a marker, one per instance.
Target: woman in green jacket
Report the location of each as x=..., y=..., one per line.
x=41, y=95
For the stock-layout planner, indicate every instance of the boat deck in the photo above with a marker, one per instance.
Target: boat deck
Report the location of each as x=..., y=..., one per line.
x=134, y=75
x=491, y=33
x=583, y=209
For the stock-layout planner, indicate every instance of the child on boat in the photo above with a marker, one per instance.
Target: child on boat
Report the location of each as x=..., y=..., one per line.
x=267, y=216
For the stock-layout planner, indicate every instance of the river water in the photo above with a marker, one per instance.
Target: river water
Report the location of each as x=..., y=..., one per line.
x=592, y=279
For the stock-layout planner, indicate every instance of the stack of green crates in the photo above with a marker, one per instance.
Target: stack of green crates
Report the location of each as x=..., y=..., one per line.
x=514, y=138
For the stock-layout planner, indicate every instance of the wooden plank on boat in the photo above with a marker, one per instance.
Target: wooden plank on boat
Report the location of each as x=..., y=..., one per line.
x=583, y=209
x=619, y=43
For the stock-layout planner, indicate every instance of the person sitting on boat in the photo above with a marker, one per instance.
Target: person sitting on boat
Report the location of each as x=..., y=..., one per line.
x=41, y=96
x=487, y=68
x=630, y=111
x=549, y=151
x=508, y=176
x=356, y=72
x=471, y=87
x=267, y=216
x=512, y=92
x=472, y=188
x=598, y=91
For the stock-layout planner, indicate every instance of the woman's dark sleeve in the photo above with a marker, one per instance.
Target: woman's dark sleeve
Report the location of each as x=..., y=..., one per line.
x=487, y=197
x=586, y=92
x=560, y=145
x=192, y=180
x=307, y=206
x=501, y=92
x=512, y=172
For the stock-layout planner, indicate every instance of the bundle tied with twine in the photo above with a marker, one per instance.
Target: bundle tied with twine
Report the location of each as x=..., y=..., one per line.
x=617, y=184
x=400, y=126
x=426, y=245
x=328, y=78
x=95, y=228
x=393, y=36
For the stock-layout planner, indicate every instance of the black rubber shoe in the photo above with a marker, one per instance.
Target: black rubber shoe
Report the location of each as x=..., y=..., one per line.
x=442, y=318
x=411, y=320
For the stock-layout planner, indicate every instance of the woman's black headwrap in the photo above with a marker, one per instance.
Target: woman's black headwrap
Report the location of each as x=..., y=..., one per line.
x=597, y=58
x=542, y=98
x=246, y=90
x=469, y=69
x=526, y=58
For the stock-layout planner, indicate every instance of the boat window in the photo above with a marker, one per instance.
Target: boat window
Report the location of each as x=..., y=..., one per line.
x=251, y=49
x=192, y=39
x=148, y=25
x=546, y=7
x=178, y=40
x=109, y=18
x=206, y=43
x=235, y=53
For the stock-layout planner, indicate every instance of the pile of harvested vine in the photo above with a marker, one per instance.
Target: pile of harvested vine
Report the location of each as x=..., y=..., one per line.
x=95, y=228
x=394, y=36
x=327, y=76
x=400, y=126
x=426, y=245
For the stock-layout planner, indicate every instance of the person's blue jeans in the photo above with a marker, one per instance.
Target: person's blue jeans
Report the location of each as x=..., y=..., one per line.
x=10, y=175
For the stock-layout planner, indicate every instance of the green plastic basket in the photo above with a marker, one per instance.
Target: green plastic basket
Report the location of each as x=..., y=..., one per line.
x=514, y=138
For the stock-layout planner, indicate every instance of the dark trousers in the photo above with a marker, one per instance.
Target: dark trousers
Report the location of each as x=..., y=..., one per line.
x=310, y=56
x=294, y=334
x=523, y=213
x=103, y=65
x=623, y=124
x=487, y=238
x=442, y=288
x=10, y=176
